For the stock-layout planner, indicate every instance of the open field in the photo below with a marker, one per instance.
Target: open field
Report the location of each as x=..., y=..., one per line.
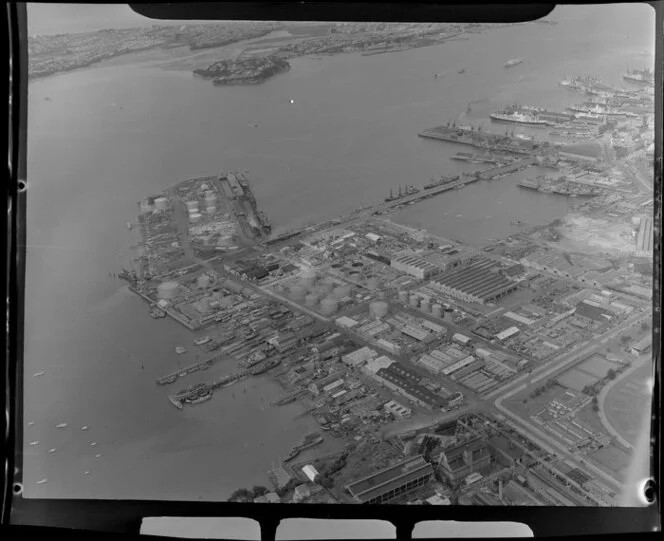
x=590, y=236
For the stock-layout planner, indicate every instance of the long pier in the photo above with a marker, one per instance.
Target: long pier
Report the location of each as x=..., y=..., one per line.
x=204, y=365
x=480, y=142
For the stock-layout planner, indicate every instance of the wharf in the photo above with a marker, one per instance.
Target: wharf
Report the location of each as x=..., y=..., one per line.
x=204, y=365
x=490, y=142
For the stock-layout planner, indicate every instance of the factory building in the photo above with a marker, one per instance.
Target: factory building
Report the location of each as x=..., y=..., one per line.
x=642, y=346
x=459, y=461
x=359, y=357
x=449, y=258
x=644, y=238
x=476, y=283
x=415, y=266
x=398, y=410
x=401, y=380
x=389, y=483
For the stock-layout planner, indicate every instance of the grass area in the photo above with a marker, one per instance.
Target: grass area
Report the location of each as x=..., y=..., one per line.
x=532, y=405
x=613, y=459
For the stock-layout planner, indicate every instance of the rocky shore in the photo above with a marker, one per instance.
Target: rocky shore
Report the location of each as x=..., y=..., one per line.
x=243, y=71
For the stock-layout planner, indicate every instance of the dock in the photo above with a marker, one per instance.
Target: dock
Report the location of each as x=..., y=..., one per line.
x=173, y=376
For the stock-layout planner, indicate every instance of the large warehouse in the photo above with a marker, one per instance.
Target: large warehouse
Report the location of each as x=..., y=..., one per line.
x=477, y=283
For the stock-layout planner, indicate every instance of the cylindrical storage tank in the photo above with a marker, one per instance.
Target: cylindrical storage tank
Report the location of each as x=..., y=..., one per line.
x=192, y=204
x=328, y=306
x=437, y=310
x=211, y=209
x=161, y=203
x=167, y=290
x=204, y=187
x=378, y=309
x=373, y=283
x=195, y=216
x=308, y=278
x=425, y=306
x=403, y=296
x=414, y=301
x=203, y=281
x=298, y=292
x=341, y=292
x=311, y=300
x=327, y=285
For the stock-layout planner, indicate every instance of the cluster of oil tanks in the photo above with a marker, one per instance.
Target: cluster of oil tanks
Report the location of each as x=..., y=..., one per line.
x=356, y=274
x=324, y=295
x=423, y=303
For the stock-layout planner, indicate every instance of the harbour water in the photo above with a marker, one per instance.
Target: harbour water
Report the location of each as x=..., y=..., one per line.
x=332, y=134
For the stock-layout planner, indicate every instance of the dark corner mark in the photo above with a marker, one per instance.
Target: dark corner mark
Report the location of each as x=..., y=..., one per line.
x=422, y=11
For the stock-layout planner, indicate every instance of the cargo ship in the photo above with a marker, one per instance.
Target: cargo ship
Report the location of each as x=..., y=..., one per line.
x=264, y=367
x=443, y=180
x=286, y=400
x=473, y=158
x=518, y=117
x=564, y=188
x=311, y=440
x=598, y=109
x=409, y=190
x=292, y=454
x=646, y=76
x=513, y=62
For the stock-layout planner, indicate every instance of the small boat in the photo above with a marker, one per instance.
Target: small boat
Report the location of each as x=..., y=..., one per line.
x=84, y=428
x=93, y=444
x=52, y=450
x=61, y=425
x=97, y=456
x=513, y=62
x=37, y=374
x=30, y=423
x=47, y=99
x=33, y=443
x=462, y=70
x=129, y=225
x=86, y=473
x=180, y=350
x=42, y=481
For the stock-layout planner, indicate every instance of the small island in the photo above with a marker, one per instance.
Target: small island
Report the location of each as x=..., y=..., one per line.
x=244, y=71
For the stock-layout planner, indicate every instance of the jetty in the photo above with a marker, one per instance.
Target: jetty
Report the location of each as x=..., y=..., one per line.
x=184, y=396
x=172, y=377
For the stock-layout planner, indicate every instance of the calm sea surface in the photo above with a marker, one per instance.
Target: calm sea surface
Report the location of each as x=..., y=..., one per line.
x=334, y=133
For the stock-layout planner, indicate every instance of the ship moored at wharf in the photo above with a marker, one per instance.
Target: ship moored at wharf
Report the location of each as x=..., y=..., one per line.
x=646, y=76
x=559, y=188
x=408, y=190
x=310, y=440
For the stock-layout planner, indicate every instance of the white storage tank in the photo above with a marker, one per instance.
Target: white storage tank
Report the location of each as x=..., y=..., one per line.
x=168, y=290
x=298, y=292
x=425, y=306
x=211, y=209
x=311, y=300
x=403, y=296
x=437, y=310
x=341, y=292
x=203, y=281
x=414, y=301
x=195, y=217
x=161, y=203
x=378, y=309
x=192, y=204
x=328, y=306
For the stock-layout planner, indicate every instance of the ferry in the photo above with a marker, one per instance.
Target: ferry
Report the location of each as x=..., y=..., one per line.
x=180, y=350
x=42, y=481
x=202, y=340
x=37, y=374
x=61, y=425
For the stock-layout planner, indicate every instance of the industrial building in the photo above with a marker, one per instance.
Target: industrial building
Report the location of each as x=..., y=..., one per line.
x=478, y=283
x=644, y=238
x=401, y=380
x=359, y=357
x=415, y=266
x=389, y=483
x=459, y=461
x=450, y=257
x=398, y=410
x=642, y=346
